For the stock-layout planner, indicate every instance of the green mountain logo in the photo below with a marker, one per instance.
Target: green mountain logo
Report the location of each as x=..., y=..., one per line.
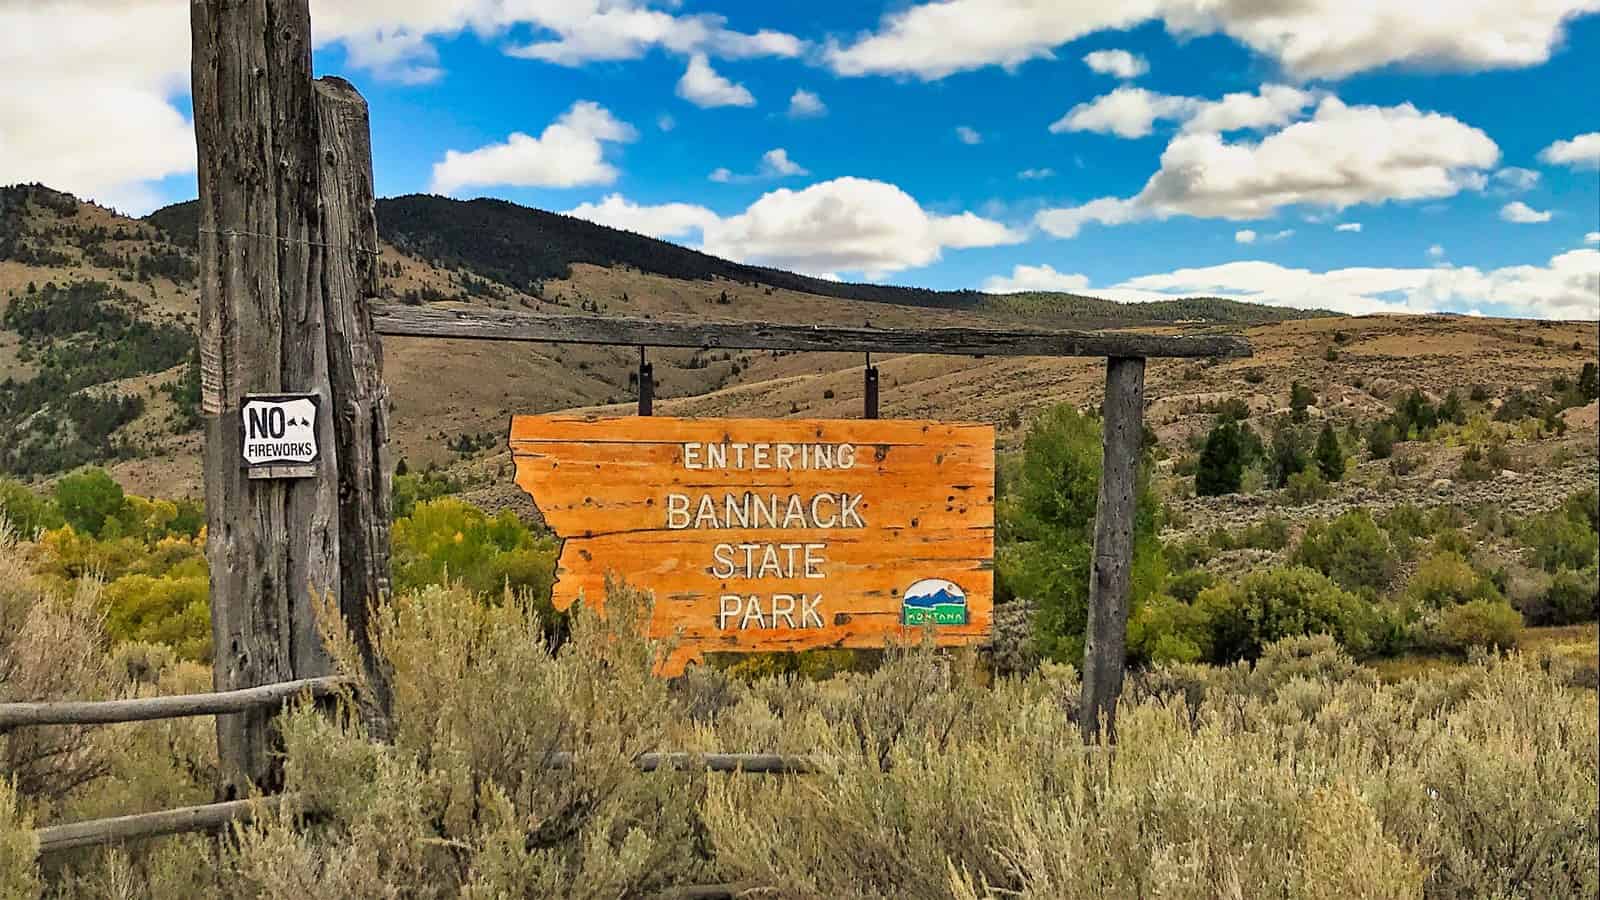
x=934, y=600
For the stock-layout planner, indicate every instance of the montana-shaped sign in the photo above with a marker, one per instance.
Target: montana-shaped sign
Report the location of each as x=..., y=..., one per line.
x=771, y=534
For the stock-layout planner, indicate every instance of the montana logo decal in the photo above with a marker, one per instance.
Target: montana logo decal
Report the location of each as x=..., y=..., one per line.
x=934, y=600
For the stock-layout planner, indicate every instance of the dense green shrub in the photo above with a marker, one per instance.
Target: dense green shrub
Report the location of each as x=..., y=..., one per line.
x=1263, y=606
x=170, y=610
x=1330, y=457
x=1306, y=486
x=1446, y=579
x=27, y=512
x=1045, y=523
x=1570, y=597
x=1352, y=550
x=1221, y=467
x=88, y=499
x=1381, y=440
x=447, y=540
x=1478, y=623
x=1166, y=629
x=1288, y=455
x=1565, y=537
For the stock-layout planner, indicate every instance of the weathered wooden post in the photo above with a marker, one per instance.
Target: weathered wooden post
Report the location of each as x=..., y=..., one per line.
x=287, y=242
x=1122, y=422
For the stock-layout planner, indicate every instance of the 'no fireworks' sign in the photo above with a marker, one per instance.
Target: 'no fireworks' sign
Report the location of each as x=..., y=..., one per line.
x=278, y=435
x=771, y=534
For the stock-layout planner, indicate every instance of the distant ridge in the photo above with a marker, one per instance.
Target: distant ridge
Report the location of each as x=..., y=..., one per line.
x=521, y=247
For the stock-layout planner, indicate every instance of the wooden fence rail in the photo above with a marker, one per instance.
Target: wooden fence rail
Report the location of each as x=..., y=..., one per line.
x=105, y=712
x=481, y=323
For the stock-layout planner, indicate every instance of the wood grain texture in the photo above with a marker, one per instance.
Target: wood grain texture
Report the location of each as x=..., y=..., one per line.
x=1110, y=578
x=481, y=323
x=261, y=331
x=141, y=709
x=121, y=829
x=288, y=244
x=916, y=502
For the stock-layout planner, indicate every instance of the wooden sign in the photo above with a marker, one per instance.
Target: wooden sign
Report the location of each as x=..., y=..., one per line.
x=771, y=534
x=278, y=435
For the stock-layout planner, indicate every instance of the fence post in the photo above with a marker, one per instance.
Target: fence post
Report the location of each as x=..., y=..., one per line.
x=1122, y=422
x=282, y=309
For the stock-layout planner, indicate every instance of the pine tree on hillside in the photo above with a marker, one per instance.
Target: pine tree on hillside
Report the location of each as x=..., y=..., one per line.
x=1330, y=458
x=1221, y=467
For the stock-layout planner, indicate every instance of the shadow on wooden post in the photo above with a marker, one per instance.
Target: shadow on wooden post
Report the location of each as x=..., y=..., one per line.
x=1105, y=646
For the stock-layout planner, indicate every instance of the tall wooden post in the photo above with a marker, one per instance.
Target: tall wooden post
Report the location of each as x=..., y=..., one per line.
x=286, y=242
x=1105, y=646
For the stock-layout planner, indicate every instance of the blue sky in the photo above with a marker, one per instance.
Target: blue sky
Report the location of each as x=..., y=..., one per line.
x=1130, y=150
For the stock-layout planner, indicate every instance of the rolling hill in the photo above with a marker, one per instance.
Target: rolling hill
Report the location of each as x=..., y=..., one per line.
x=97, y=312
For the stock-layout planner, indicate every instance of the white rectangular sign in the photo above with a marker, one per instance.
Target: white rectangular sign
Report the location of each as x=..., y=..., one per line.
x=278, y=434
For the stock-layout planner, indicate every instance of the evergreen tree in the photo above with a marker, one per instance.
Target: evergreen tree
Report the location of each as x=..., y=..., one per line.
x=1300, y=397
x=1221, y=467
x=1330, y=458
x=1288, y=455
x=1589, y=382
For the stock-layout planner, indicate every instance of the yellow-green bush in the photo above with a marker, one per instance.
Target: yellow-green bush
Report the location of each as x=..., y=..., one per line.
x=174, y=611
x=1446, y=579
x=1243, y=617
x=449, y=539
x=1478, y=623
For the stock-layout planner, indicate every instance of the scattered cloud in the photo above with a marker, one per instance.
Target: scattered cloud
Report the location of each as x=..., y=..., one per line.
x=1244, y=236
x=803, y=104
x=1581, y=152
x=1343, y=156
x=967, y=135
x=1513, y=179
x=702, y=86
x=1270, y=107
x=1436, y=251
x=1132, y=112
x=1035, y=278
x=568, y=153
x=1592, y=237
x=842, y=225
x=1036, y=174
x=1523, y=214
x=775, y=163
x=1128, y=112
x=666, y=122
x=609, y=30
x=1568, y=287
x=667, y=220
x=1118, y=63
x=1347, y=226
x=1308, y=38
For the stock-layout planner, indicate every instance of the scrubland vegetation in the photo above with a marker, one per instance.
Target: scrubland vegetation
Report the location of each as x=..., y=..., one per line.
x=1300, y=775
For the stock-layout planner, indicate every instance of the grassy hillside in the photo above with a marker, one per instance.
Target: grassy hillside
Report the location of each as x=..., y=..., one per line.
x=523, y=248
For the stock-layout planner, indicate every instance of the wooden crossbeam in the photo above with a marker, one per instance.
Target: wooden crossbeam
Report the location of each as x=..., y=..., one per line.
x=489, y=324
x=105, y=712
x=208, y=817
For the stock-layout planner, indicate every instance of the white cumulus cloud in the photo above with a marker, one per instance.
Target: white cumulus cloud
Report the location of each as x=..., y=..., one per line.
x=775, y=163
x=1347, y=226
x=1580, y=152
x=1132, y=112
x=1035, y=278
x=1567, y=287
x=666, y=220
x=1118, y=63
x=843, y=225
x=1523, y=214
x=1308, y=38
x=705, y=88
x=803, y=104
x=1343, y=156
x=968, y=135
x=1244, y=236
x=1592, y=237
x=568, y=153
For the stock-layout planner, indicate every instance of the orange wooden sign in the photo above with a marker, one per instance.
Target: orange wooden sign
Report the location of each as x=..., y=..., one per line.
x=771, y=534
